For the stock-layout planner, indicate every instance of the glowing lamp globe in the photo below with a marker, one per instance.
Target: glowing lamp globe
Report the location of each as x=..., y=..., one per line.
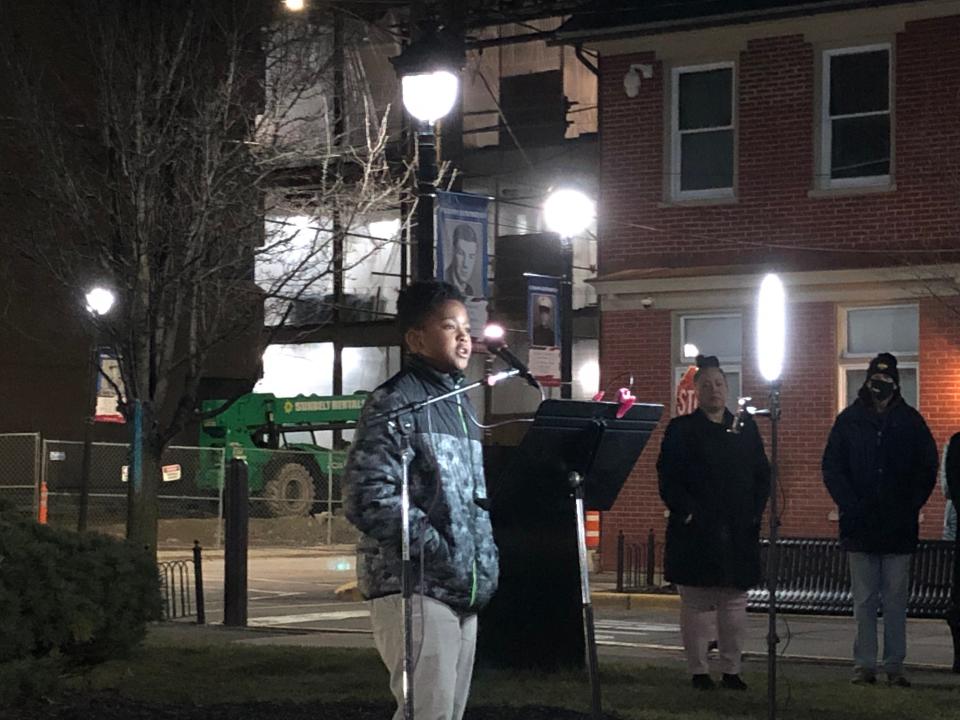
x=99, y=301
x=429, y=96
x=771, y=327
x=568, y=212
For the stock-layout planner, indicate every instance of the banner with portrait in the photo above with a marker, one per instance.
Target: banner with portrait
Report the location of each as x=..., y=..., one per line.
x=462, y=258
x=543, y=328
x=108, y=382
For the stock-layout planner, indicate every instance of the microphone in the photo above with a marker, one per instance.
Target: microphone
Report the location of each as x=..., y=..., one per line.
x=499, y=348
x=740, y=417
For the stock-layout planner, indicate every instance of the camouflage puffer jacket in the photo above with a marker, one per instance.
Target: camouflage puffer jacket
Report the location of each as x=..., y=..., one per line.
x=449, y=530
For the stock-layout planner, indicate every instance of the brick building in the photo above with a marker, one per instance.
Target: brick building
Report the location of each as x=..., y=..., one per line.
x=819, y=140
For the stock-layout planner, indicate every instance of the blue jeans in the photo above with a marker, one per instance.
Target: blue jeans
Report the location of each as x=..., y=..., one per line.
x=880, y=580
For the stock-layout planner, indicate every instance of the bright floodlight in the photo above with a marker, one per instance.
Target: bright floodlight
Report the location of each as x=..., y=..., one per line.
x=99, y=301
x=493, y=332
x=568, y=212
x=690, y=350
x=771, y=327
x=294, y=5
x=589, y=377
x=429, y=96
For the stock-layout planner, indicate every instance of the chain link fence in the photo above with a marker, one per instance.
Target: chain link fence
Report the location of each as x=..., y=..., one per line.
x=189, y=505
x=20, y=473
x=296, y=495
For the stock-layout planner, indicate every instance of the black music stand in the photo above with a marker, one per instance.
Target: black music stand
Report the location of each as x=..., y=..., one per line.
x=573, y=449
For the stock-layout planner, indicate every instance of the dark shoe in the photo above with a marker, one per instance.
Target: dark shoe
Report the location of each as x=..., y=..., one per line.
x=703, y=682
x=733, y=682
x=897, y=680
x=863, y=677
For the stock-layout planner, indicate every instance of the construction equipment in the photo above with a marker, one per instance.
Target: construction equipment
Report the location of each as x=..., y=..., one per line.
x=290, y=475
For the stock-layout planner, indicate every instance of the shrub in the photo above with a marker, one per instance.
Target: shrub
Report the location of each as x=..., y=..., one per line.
x=84, y=596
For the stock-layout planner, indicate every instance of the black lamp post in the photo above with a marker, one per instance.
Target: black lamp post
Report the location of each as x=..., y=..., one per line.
x=99, y=302
x=567, y=213
x=429, y=72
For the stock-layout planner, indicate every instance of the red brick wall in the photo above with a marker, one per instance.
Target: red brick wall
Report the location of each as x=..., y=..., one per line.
x=773, y=215
x=772, y=218
x=638, y=342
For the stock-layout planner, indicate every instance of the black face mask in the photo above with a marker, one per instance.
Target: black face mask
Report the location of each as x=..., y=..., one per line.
x=881, y=390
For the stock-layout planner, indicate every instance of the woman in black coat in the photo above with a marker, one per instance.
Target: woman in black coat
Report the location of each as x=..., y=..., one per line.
x=715, y=481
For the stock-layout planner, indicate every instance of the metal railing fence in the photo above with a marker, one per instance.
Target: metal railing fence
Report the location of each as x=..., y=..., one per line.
x=20, y=472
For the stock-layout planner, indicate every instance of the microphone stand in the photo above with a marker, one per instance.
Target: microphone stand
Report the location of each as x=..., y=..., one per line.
x=773, y=568
x=400, y=418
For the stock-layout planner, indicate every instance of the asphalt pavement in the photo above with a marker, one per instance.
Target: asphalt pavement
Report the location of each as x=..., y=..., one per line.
x=293, y=600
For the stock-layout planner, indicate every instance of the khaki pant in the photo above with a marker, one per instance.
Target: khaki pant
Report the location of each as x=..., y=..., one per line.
x=443, y=648
x=708, y=613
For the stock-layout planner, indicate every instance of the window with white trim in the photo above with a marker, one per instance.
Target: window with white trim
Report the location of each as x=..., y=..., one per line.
x=855, y=117
x=867, y=331
x=702, y=125
x=717, y=334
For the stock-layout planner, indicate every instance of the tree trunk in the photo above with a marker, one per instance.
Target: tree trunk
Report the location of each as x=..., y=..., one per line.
x=142, y=504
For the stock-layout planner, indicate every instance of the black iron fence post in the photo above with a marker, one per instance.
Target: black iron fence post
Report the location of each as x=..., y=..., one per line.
x=235, y=550
x=198, y=582
x=651, y=557
x=620, y=542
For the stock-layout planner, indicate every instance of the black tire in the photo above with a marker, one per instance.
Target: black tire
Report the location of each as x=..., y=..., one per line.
x=289, y=490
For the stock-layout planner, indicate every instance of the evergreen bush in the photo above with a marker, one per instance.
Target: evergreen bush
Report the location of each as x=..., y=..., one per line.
x=85, y=596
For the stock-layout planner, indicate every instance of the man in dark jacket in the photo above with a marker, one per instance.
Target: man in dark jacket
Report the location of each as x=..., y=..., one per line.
x=880, y=465
x=715, y=480
x=452, y=544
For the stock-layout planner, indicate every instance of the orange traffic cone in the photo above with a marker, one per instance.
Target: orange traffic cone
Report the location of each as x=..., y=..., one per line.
x=43, y=503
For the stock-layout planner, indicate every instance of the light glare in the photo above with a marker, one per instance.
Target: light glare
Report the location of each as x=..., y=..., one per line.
x=568, y=212
x=589, y=377
x=429, y=96
x=384, y=229
x=690, y=350
x=771, y=327
x=493, y=332
x=294, y=5
x=99, y=301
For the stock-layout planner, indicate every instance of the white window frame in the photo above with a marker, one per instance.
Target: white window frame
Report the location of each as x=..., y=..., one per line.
x=729, y=364
x=708, y=316
x=845, y=324
x=842, y=378
x=675, y=133
x=826, y=121
x=906, y=359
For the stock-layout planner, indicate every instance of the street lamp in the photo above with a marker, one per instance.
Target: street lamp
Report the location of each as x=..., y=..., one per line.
x=567, y=212
x=771, y=341
x=99, y=302
x=428, y=70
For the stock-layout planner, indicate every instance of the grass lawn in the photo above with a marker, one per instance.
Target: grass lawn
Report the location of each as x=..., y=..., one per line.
x=177, y=666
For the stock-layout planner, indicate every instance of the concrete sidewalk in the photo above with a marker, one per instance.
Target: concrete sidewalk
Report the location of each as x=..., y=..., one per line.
x=629, y=625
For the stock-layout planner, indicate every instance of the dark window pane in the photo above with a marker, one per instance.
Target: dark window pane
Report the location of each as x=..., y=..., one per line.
x=706, y=160
x=706, y=99
x=859, y=83
x=860, y=147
